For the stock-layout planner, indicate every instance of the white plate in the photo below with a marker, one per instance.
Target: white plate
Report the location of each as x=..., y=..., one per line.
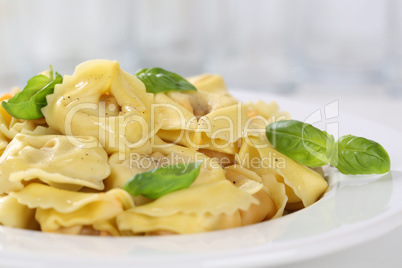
x=354, y=210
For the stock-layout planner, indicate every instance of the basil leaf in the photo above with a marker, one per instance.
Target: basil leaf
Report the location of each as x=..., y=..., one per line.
x=158, y=80
x=160, y=181
x=28, y=103
x=301, y=142
x=312, y=147
x=358, y=155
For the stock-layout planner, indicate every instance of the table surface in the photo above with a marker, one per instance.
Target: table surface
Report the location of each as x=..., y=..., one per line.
x=380, y=106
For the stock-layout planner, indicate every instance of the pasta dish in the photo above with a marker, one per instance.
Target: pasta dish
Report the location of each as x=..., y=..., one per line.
x=110, y=155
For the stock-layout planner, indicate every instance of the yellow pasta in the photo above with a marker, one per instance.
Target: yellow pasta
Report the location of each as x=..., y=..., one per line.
x=15, y=214
x=54, y=160
x=103, y=129
x=307, y=184
x=170, y=115
x=180, y=223
x=56, y=208
x=223, y=198
x=210, y=83
x=102, y=101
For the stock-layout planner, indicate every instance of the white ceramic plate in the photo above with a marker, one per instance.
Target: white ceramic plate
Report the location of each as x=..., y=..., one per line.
x=354, y=210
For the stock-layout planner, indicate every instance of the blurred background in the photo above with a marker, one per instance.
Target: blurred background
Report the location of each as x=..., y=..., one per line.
x=272, y=45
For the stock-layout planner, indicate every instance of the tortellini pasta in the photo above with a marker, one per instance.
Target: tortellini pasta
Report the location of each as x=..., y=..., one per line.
x=60, y=209
x=55, y=160
x=66, y=172
x=16, y=214
x=101, y=100
x=204, y=207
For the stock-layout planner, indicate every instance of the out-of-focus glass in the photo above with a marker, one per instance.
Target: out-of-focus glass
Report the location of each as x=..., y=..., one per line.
x=248, y=44
x=170, y=34
x=272, y=45
x=8, y=68
x=341, y=41
x=63, y=33
x=394, y=68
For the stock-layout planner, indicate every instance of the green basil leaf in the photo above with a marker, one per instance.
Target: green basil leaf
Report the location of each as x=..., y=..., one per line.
x=158, y=80
x=358, y=155
x=301, y=142
x=28, y=103
x=160, y=181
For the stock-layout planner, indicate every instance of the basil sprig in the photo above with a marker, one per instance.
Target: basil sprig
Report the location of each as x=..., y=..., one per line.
x=158, y=80
x=28, y=103
x=306, y=144
x=313, y=147
x=160, y=181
